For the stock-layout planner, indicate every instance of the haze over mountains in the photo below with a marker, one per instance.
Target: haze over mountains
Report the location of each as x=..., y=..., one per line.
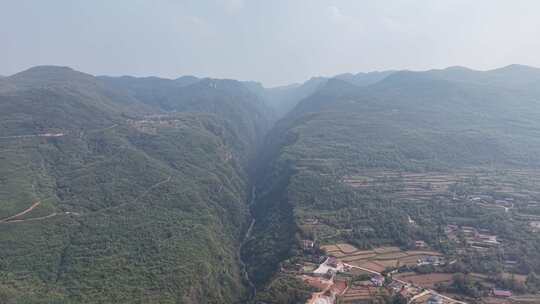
x=138, y=190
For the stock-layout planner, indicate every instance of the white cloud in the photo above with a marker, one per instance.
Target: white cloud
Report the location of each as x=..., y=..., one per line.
x=194, y=20
x=335, y=13
x=232, y=6
x=338, y=17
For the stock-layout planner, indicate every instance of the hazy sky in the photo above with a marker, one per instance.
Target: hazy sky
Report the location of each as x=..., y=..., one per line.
x=272, y=41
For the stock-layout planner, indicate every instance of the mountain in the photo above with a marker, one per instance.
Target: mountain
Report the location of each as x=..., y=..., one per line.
x=282, y=99
x=57, y=98
x=111, y=195
x=250, y=115
x=4, y=85
x=364, y=79
x=512, y=76
x=454, y=121
x=151, y=90
x=196, y=190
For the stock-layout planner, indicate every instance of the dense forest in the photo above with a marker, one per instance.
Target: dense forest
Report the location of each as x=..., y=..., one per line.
x=141, y=198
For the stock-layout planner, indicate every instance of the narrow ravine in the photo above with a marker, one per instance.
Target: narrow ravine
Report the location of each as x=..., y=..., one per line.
x=247, y=236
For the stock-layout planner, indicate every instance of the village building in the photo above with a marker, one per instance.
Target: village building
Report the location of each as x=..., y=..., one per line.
x=396, y=286
x=467, y=230
x=420, y=244
x=499, y=293
x=308, y=245
x=311, y=221
x=452, y=227
x=535, y=226
x=332, y=262
x=510, y=262
x=435, y=299
x=377, y=280
x=431, y=260
x=486, y=239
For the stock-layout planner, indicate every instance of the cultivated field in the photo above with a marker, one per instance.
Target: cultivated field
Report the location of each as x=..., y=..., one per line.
x=407, y=185
x=377, y=259
x=360, y=293
x=425, y=280
x=418, y=186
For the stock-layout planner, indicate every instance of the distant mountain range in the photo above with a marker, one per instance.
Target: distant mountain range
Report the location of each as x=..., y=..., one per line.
x=126, y=189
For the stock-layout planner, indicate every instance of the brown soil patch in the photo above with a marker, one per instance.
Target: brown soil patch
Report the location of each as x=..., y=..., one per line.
x=426, y=280
x=347, y=248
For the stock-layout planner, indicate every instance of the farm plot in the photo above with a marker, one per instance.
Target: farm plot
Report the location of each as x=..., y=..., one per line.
x=318, y=283
x=407, y=184
x=358, y=257
x=382, y=250
x=392, y=255
x=424, y=299
x=377, y=259
x=371, y=265
x=521, y=184
x=411, y=260
x=425, y=280
x=330, y=249
x=359, y=293
x=526, y=299
x=347, y=248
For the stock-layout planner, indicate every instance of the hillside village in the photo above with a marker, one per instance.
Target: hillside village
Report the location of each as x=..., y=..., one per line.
x=340, y=274
x=420, y=272
x=343, y=274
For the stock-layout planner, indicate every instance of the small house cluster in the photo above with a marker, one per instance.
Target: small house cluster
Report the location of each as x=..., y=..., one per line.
x=480, y=239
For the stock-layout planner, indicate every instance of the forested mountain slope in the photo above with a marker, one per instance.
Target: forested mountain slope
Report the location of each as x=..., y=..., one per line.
x=250, y=115
x=105, y=197
x=430, y=121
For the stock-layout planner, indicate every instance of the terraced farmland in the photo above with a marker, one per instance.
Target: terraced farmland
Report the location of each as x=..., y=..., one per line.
x=521, y=183
x=378, y=259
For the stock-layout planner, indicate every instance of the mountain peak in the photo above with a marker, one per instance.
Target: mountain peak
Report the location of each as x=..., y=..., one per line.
x=457, y=68
x=517, y=68
x=187, y=78
x=49, y=74
x=43, y=70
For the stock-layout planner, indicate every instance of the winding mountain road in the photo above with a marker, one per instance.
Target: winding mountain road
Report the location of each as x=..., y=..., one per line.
x=14, y=217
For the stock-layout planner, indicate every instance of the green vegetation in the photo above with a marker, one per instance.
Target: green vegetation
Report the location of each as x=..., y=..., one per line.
x=144, y=206
x=285, y=289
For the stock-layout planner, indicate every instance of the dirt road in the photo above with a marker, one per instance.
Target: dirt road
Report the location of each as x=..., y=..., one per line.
x=33, y=135
x=31, y=219
x=13, y=217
